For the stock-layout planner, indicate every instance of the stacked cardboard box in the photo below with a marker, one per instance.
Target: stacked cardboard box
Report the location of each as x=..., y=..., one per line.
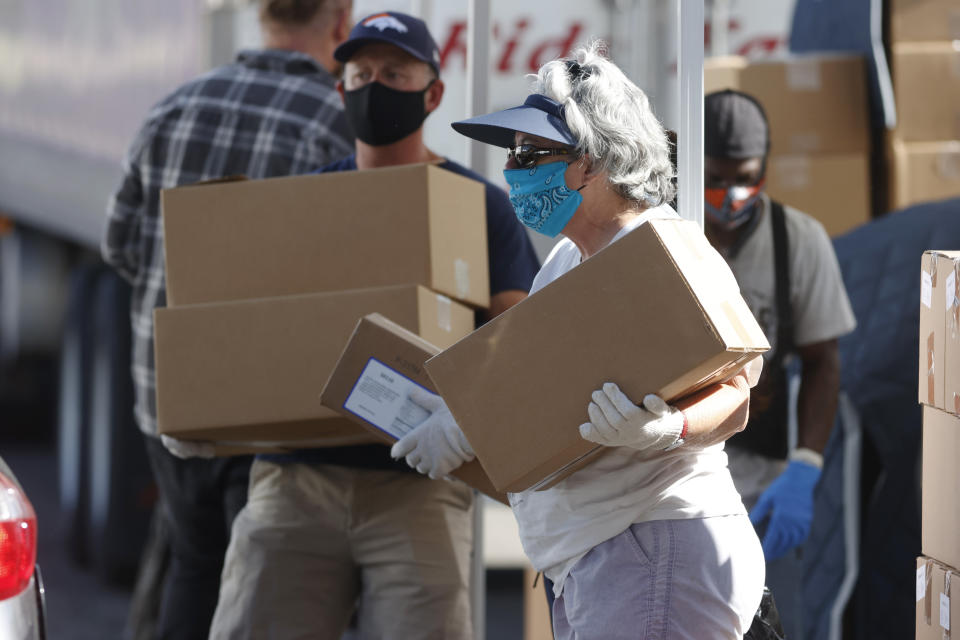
x=923, y=151
x=819, y=138
x=266, y=280
x=939, y=392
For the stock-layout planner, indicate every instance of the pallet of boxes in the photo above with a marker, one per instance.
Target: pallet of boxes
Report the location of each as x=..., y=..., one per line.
x=938, y=570
x=266, y=280
x=923, y=151
x=819, y=159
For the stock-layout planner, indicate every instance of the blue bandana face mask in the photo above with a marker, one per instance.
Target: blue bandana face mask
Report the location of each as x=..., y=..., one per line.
x=541, y=198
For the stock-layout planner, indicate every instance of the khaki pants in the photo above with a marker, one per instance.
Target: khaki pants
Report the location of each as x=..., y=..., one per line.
x=314, y=543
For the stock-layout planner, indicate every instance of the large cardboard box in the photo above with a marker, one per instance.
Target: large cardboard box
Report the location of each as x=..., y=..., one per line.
x=939, y=349
x=940, y=509
x=926, y=83
x=833, y=188
x=371, y=382
x=923, y=171
x=815, y=103
x=912, y=20
x=938, y=608
x=413, y=224
x=658, y=311
x=252, y=371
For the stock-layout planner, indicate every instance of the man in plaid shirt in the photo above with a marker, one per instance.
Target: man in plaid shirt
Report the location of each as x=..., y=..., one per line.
x=273, y=112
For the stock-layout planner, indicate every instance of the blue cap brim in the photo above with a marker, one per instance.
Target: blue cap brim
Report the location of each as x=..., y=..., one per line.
x=538, y=116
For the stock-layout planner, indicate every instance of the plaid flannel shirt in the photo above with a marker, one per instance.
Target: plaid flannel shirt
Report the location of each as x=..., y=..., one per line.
x=270, y=113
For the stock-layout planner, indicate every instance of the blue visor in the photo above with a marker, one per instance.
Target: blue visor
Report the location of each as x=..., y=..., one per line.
x=539, y=116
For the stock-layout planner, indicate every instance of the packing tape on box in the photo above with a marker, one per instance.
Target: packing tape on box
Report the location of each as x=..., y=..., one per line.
x=444, y=312
x=921, y=582
x=927, y=591
x=793, y=172
x=952, y=286
x=948, y=160
x=945, y=604
x=931, y=371
x=926, y=289
x=805, y=142
x=804, y=75
x=461, y=273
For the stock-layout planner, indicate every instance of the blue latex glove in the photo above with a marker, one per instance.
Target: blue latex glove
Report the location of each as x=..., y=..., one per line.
x=788, y=502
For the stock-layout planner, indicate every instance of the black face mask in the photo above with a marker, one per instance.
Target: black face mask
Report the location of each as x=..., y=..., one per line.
x=380, y=115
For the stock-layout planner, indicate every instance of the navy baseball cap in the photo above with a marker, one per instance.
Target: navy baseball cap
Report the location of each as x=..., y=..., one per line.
x=538, y=115
x=399, y=29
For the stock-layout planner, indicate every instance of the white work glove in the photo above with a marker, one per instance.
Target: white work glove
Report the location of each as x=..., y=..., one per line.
x=186, y=448
x=615, y=421
x=436, y=446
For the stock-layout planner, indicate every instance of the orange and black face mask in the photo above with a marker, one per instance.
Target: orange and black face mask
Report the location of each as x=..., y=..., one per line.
x=733, y=206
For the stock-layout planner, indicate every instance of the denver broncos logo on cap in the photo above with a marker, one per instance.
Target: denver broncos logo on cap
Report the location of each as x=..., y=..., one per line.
x=384, y=21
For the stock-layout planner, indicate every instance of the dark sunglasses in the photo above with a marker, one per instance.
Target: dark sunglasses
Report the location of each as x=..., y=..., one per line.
x=527, y=155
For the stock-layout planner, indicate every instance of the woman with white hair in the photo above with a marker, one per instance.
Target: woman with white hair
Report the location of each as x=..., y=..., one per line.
x=651, y=540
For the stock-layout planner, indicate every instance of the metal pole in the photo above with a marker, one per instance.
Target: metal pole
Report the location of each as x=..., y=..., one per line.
x=720, y=27
x=478, y=82
x=478, y=75
x=690, y=131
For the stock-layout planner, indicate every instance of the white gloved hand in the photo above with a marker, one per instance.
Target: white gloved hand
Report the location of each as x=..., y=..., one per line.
x=187, y=448
x=436, y=446
x=615, y=421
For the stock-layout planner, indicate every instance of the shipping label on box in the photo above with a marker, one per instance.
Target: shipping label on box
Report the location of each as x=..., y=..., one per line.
x=937, y=604
x=658, y=311
x=940, y=509
x=252, y=371
x=926, y=83
x=815, y=103
x=327, y=232
x=371, y=383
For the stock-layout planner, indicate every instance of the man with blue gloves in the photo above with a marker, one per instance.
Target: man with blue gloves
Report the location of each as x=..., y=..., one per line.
x=788, y=274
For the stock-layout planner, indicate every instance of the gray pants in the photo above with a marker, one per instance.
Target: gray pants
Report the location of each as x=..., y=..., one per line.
x=752, y=474
x=665, y=580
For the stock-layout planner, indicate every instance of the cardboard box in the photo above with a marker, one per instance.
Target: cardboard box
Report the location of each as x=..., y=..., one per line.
x=923, y=171
x=369, y=385
x=658, y=311
x=940, y=509
x=833, y=188
x=938, y=608
x=815, y=103
x=926, y=84
x=939, y=349
x=253, y=370
x=913, y=20
x=413, y=224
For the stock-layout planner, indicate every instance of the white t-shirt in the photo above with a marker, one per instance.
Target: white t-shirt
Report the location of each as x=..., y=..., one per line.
x=620, y=487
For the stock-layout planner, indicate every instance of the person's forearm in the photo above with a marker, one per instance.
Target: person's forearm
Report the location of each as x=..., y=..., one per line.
x=716, y=413
x=500, y=302
x=817, y=403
